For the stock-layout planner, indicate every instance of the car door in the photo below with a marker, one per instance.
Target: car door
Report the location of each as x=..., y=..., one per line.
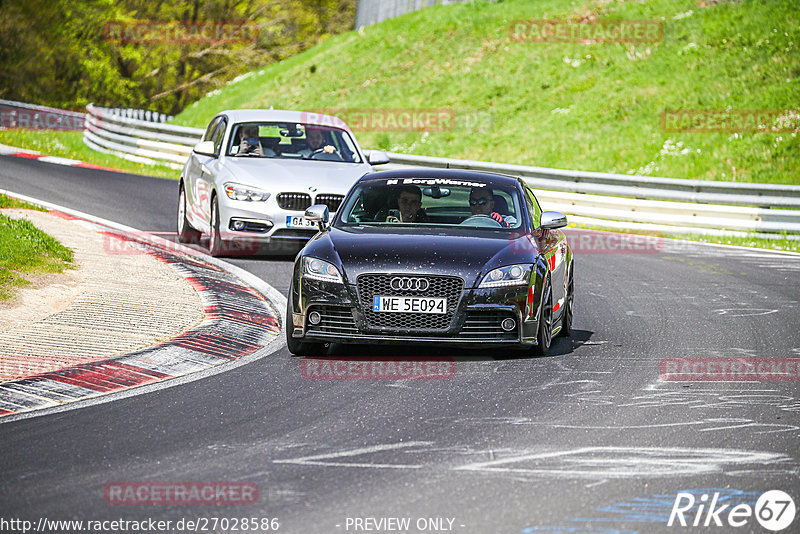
x=553, y=247
x=210, y=169
x=196, y=193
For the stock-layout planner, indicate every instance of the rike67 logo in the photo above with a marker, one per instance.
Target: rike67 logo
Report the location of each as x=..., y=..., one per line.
x=774, y=510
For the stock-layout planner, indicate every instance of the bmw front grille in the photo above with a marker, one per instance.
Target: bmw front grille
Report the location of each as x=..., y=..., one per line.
x=294, y=201
x=301, y=201
x=332, y=201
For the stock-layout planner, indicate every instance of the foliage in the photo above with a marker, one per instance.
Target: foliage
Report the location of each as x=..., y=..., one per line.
x=58, y=52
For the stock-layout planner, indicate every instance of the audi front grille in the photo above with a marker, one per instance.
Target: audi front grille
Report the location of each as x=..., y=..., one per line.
x=372, y=285
x=294, y=201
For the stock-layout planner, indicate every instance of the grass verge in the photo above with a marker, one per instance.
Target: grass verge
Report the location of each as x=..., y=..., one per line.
x=26, y=251
x=70, y=145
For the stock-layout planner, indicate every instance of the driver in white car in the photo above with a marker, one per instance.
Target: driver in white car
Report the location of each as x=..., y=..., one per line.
x=317, y=144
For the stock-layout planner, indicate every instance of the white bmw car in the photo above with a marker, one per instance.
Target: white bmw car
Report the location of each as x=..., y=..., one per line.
x=249, y=181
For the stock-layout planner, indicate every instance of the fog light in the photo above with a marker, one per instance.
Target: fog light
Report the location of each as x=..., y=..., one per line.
x=508, y=324
x=314, y=317
x=239, y=225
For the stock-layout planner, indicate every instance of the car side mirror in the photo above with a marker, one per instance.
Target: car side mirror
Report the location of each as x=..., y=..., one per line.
x=319, y=214
x=204, y=148
x=377, y=157
x=552, y=220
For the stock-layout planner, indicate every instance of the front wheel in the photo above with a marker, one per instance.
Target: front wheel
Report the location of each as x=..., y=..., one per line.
x=544, y=334
x=186, y=234
x=216, y=246
x=296, y=346
x=566, y=318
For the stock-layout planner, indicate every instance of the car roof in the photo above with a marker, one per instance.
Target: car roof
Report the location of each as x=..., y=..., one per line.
x=443, y=174
x=282, y=115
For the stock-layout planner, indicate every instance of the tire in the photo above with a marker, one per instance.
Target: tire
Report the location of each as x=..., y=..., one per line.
x=544, y=334
x=566, y=318
x=295, y=346
x=186, y=234
x=216, y=245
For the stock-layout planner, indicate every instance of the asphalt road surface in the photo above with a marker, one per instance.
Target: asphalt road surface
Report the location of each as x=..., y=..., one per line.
x=587, y=439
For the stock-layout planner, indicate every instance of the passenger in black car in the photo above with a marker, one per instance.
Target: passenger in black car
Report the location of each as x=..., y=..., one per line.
x=409, y=200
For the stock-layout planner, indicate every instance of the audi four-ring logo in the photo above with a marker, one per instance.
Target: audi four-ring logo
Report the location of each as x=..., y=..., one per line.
x=409, y=284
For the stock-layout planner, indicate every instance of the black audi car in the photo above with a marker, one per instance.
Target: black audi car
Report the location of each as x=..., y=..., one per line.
x=433, y=256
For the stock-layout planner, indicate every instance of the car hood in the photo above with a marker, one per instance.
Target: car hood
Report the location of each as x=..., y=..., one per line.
x=458, y=253
x=293, y=175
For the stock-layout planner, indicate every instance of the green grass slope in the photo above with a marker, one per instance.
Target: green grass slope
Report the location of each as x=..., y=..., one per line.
x=578, y=106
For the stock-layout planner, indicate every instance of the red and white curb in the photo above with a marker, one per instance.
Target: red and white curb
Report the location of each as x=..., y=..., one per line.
x=6, y=150
x=239, y=321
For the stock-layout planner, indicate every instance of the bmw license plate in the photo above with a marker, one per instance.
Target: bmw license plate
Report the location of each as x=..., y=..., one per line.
x=409, y=304
x=299, y=222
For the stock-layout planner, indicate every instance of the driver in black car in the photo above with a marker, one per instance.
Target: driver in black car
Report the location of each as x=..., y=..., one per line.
x=481, y=202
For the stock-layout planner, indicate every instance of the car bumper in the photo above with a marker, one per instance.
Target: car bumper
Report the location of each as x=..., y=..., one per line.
x=266, y=225
x=476, y=321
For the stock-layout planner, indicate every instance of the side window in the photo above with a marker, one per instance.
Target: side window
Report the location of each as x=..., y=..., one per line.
x=533, y=208
x=219, y=133
x=210, y=129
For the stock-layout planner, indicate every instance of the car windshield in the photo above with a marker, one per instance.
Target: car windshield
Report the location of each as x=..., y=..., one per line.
x=432, y=202
x=292, y=141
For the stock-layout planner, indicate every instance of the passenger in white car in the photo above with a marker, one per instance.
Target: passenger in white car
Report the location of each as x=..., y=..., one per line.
x=249, y=142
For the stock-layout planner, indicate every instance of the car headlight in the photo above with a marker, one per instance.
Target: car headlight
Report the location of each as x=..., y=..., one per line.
x=245, y=192
x=511, y=275
x=321, y=270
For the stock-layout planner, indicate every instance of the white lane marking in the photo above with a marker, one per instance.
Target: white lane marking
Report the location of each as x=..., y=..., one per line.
x=624, y=462
x=325, y=459
x=59, y=161
x=744, y=312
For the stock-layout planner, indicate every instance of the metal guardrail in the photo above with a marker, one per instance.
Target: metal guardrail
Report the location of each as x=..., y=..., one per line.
x=144, y=141
x=369, y=12
x=141, y=114
x=665, y=205
x=645, y=187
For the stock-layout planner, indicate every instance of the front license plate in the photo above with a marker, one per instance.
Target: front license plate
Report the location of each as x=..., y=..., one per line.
x=409, y=304
x=299, y=222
